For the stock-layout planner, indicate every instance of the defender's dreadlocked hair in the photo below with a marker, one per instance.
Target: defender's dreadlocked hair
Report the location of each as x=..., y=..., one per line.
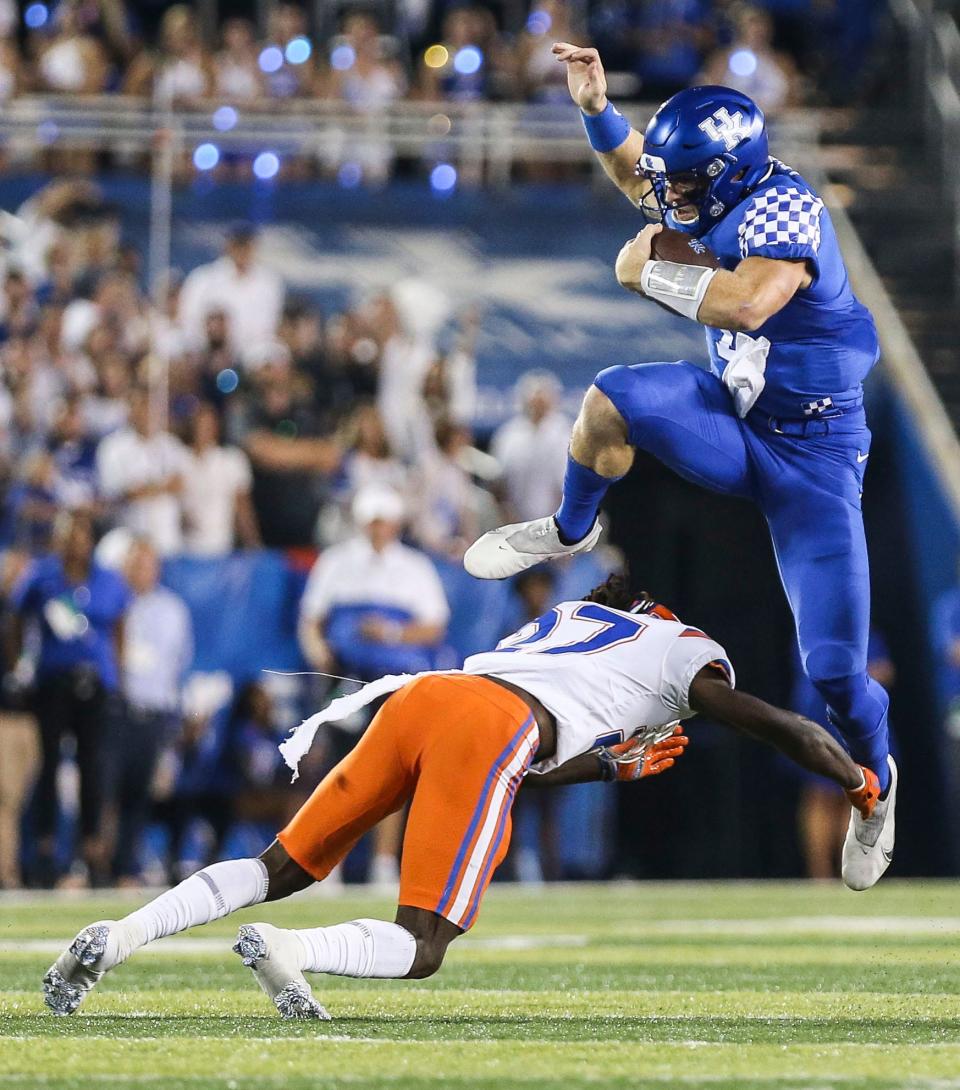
x=615, y=592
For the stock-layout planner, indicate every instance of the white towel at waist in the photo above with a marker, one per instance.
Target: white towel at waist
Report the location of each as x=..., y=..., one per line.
x=294, y=748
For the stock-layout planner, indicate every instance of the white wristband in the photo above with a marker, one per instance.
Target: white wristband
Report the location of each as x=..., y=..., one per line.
x=679, y=287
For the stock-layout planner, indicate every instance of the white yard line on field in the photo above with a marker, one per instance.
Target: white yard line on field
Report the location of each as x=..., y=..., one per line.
x=217, y=946
x=905, y=926
x=813, y=925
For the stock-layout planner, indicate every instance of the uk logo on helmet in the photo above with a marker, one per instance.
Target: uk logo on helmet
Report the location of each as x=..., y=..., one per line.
x=730, y=128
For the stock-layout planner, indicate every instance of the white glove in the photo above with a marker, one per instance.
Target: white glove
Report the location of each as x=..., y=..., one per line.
x=744, y=374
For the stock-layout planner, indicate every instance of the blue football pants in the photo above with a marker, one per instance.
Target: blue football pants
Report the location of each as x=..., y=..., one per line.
x=808, y=489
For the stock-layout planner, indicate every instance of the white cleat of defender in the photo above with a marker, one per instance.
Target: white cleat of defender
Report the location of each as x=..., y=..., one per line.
x=868, y=848
x=71, y=978
x=514, y=548
x=273, y=956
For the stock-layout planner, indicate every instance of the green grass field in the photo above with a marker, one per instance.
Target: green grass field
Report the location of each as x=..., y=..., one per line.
x=726, y=987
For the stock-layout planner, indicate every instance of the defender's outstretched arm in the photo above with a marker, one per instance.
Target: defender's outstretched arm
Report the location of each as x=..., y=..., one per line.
x=800, y=739
x=588, y=89
x=625, y=761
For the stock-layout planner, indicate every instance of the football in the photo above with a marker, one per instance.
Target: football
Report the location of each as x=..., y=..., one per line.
x=670, y=245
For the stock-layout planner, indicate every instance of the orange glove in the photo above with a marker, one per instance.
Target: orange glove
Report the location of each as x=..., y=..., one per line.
x=632, y=760
x=864, y=798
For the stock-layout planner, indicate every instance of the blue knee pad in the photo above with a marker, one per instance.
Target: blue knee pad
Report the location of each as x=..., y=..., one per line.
x=856, y=703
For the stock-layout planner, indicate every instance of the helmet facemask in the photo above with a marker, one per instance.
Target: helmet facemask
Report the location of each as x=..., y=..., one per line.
x=694, y=186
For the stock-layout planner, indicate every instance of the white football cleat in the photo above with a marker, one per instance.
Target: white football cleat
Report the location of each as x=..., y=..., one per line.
x=514, y=548
x=95, y=950
x=868, y=848
x=274, y=956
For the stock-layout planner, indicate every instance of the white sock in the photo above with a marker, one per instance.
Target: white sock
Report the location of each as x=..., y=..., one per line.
x=359, y=948
x=213, y=892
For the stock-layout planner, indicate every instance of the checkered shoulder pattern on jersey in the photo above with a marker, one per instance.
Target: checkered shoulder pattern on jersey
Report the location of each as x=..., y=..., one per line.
x=783, y=221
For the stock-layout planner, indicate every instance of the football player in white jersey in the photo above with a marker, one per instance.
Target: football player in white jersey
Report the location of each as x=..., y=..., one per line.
x=592, y=690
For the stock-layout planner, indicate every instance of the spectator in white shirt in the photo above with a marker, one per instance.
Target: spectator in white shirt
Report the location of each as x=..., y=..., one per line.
x=416, y=385
x=368, y=460
x=216, y=491
x=141, y=470
x=447, y=501
x=248, y=292
x=532, y=447
x=236, y=74
x=374, y=606
x=382, y=593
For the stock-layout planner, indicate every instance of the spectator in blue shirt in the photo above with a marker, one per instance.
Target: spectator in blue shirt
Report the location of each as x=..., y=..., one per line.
x=157, y=652
x=30, y=506
x=264, y=792
x=79, y=610
x=204, y=787
x=74, y=452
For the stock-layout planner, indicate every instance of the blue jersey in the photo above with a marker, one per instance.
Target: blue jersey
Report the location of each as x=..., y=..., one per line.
x=823, y=342
x=77, y=621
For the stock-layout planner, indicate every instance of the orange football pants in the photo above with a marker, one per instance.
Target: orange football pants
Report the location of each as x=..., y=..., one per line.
x=457, y=745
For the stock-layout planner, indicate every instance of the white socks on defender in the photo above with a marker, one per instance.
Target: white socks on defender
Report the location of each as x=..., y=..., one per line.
x=213, y=892
x=361, y=948
x=364, y=948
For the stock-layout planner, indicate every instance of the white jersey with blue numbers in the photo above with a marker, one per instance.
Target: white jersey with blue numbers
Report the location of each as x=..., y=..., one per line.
x=602, y=673
x=823, y=342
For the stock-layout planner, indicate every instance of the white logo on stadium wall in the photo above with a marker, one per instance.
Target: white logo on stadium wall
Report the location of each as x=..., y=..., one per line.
x=730, y=128
x=534, y=306
x=550, y=289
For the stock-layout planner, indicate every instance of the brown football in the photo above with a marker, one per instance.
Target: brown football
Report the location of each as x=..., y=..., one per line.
x=670, y=245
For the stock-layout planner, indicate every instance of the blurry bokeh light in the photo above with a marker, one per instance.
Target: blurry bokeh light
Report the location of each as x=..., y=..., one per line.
x=271, y=59
x=468, y=60
x=298, y=50
x=436, y=56
x=224, y=118
x=539, y=22
x=742, y=62
x=343, y=58
x=443, y=178
x=266, y=165
x=206, y=156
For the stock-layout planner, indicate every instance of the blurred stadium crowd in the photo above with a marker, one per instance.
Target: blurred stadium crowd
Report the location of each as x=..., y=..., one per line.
x=371, y=54
x=232, y=416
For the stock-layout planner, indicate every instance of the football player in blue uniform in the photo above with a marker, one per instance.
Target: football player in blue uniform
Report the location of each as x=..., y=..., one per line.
x=778, y=418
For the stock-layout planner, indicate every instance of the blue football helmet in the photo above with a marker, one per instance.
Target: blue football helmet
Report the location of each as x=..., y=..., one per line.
x=710, y=145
